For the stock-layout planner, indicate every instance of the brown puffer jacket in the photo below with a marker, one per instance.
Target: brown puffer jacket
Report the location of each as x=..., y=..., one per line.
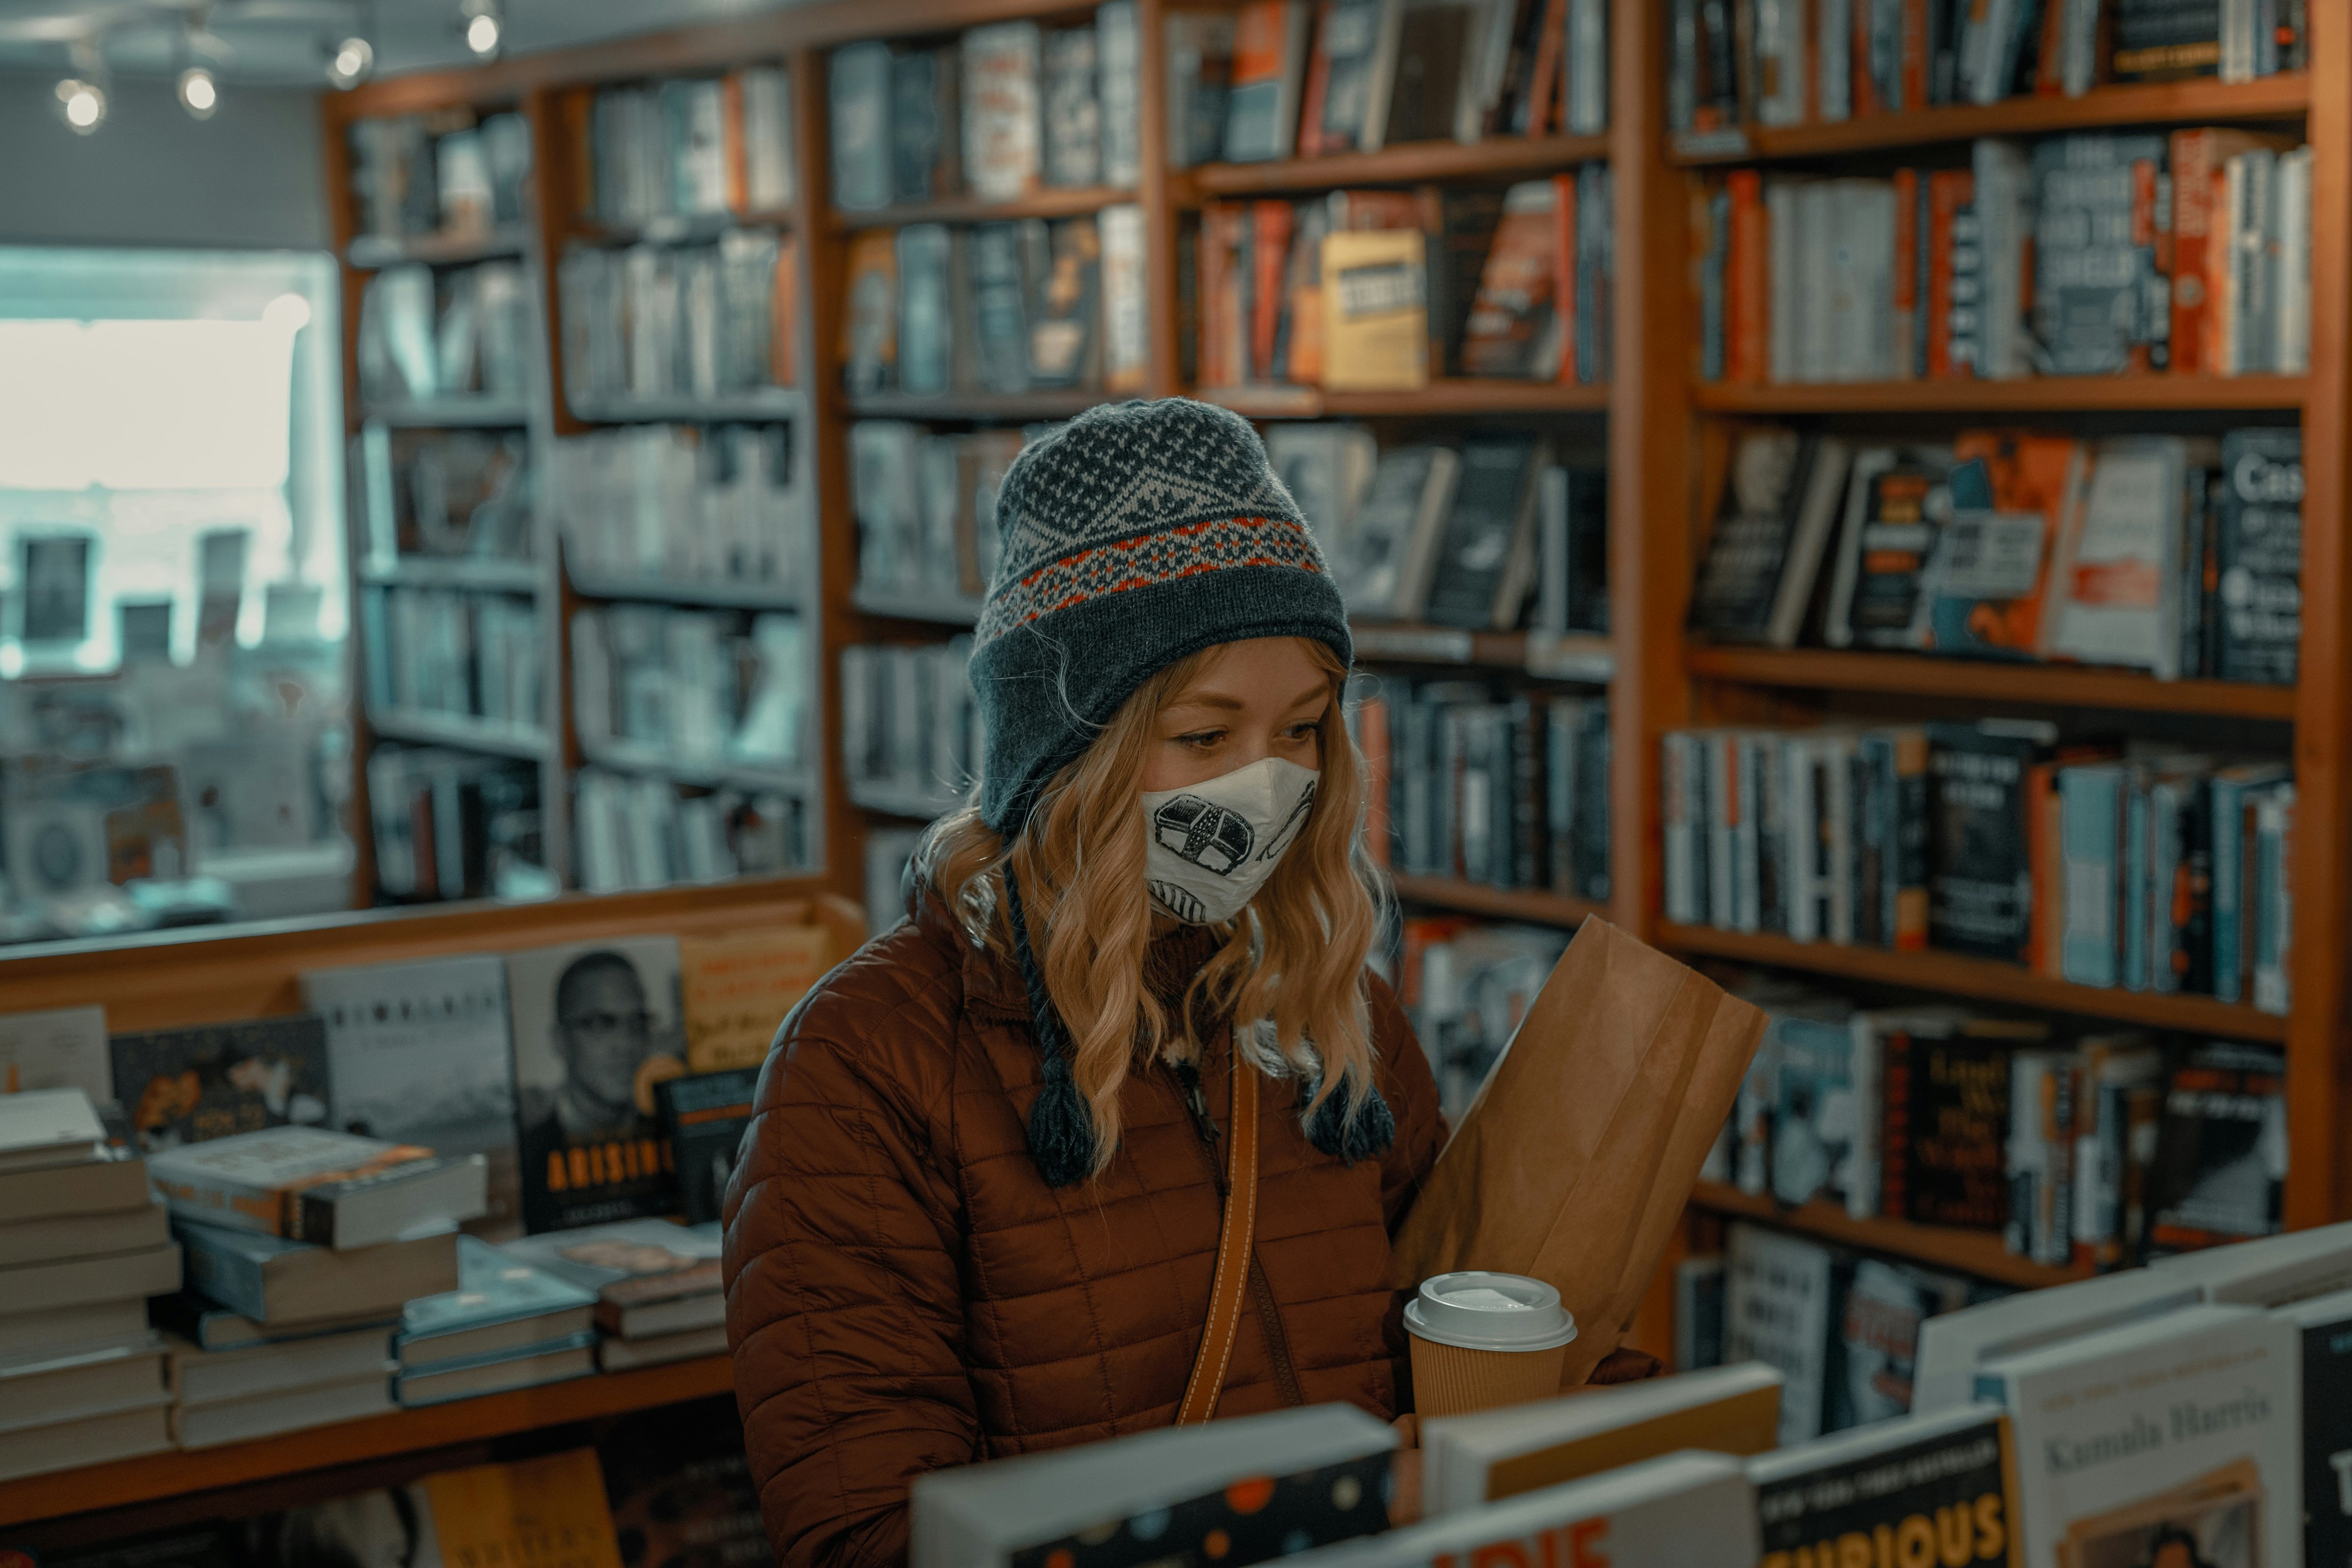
x=905, y=1293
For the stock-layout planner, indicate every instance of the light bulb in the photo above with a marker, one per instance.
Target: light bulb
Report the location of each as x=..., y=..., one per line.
x=288, y=313
x=199, y=94
x=350, y=62
x=482, y=33
x=83, y=104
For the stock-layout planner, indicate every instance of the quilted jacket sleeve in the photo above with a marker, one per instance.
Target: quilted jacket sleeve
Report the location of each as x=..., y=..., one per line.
x=843, y=1299
x=1411, y=1094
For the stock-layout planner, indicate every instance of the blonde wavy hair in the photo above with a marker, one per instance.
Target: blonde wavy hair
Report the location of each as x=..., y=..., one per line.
x=1290, y=973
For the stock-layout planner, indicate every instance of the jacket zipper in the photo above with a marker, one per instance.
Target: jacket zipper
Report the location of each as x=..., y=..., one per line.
x=1269, y=1316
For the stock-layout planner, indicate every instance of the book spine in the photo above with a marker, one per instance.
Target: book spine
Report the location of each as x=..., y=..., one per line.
x=210, y=1198
x=2055, y=1224
x=2228, y=885
x=2090, y=814
x=1906, y=886
x=1592, y=804
x=1747, y=326
x=1673, y=770
x=2027, y=1156
x=1894, y=1123
x=2137, y=874
x=1905, y=282
x=233, y=1279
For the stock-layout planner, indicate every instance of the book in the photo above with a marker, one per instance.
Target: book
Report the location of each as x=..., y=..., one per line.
x=1514, y=328
x=118, y=1320
x=501, y=1306
x=315, y=1184
x=860, y=102
x=677, y=1481
x=1693, y=1509
x=419, y=1053
x=2101, y=303
x=558, y=1361
x=926, y=122
x=1269, y=64
x=1934, y=1488
x=1981, y=893
x=2011, y=491
x=1317, y=1475
x=595, y=1026
x=185, y=1085
x=704, y=1117
x=2220, y=1170
x=57, y=1048
x=1002, y=125
x=31, y=1289
x=1470, y=1461
x=1780, y=498
x=1065, y=343
x=1345, y=103
x=286, y=1410
x=2323, y=1324
x=869, y=323
x=283, y=1283
x=650, y=1277
x=60, y=1237
x=2184, y=1428
x=660, y=1350
x=1952, y=1346
x=93, y=1440
x=737, y=989
x=201, y=1376
x=40, y=1128
x=2268, y=1272
x=1780, y=1298
x=2117, y=558
x=2260, y=556
x=1392, y=554
x=1874, y=1345
x=1485, y=559
x=1376, y=310
x=209, y=1326
x=488, y=1514
x=1119, y=49
x=74, y=1385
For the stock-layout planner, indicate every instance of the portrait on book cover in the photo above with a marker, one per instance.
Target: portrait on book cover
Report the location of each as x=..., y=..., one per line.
x=596, y=1027
x=2213, y=1521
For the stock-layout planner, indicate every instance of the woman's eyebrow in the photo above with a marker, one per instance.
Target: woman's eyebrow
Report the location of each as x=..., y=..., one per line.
x=1218, y=700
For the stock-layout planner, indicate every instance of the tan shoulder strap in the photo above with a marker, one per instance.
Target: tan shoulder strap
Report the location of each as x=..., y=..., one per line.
x=1234, y=1240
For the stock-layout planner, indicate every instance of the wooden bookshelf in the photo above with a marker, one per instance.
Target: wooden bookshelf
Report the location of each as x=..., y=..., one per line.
x=977, y=407
x=1984, y=681
x=1408, y=164
x=1050, y=203
x=2115, y=107
x=156, y=1475
x=1985, y=979
x=702, y=595
x=679, y=228
x=371, y=251
x=934, y=609
x=2022, y=394
x=1448, y=396
x=1497, y=903
x=1974, y=1252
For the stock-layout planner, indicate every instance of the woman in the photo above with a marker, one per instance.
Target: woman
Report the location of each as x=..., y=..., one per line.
x=978, y=1213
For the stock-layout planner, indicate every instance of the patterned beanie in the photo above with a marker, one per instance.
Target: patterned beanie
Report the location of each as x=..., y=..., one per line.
x=1135, y=535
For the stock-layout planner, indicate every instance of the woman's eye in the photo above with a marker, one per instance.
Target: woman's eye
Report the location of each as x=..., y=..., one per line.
x=1304, y=732
x=1201, y=739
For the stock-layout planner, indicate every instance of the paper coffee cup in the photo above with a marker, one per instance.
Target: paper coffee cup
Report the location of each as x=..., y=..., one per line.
x=1482, y=1340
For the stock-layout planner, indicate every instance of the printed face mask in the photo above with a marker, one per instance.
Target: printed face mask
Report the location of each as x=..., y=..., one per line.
x=1213, y=845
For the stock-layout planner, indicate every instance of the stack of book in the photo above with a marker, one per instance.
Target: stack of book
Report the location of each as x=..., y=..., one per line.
x=656, y=1287
x=316, y=1240
x=419, y=175
x=671, y=321
x=909, y=723
x=698, y=687
x=507, y=1325
x=454, y=652
x=926, y=507
x=455, y=824
x=1014, y=307
x=700, y=146
x=2108, y=255
x=459, y=332
x=445, y=493
x=999, y=113
x=82, y=1245
x=684, y=504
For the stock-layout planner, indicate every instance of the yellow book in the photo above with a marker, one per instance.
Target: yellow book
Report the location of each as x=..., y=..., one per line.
x=1375, y=311
x=537, y=1513
x=738, y=988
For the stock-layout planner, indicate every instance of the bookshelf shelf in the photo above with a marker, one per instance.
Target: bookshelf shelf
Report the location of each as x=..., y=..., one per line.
x=683, y=228
x=156, y=1475
x=1976, y=1252
x=706, y=595
x=462, y=731
x=1500, y=903
x=2028, y=394
x=732, y=408
x=1984, y=979
x=1074, y=202
x=1576, y=657
x=369, y=252
x=944, y=609
x=625, y=757
x=2266, y=98
x=1059, y=402
x=449, y=413
x=485, y=573
x=2041, y=685
x=1452, y=396
x=1496, y=158
x=892, y=800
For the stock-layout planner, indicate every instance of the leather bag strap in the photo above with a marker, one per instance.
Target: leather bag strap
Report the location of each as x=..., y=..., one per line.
x=1235, y=1240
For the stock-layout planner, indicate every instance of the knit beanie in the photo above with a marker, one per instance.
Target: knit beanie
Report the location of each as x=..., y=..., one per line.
x=1134, y=536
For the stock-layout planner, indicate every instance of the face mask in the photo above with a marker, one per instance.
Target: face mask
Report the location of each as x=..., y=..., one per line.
x=1213, y=845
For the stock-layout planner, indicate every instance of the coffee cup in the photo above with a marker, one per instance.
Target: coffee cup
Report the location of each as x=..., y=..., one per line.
x=1482, y=1340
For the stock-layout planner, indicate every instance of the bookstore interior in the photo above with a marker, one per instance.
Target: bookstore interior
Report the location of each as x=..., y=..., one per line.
x=496, y=498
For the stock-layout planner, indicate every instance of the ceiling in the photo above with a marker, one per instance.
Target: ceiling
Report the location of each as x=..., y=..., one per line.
x=278, y=41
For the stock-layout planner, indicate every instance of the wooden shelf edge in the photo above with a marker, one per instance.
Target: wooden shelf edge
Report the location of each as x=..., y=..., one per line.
x=1975, y=1252
x=1506, y=904
x=1451, y=395
x=1982, y=979
x=370, y=253
x=775, y=596
x=2049, y=686
x=1051, y=202
x=2282, y=97
x=1051, y=404
x=2021, y=395
x=1407, y=162
x=174, y=1474
x=460, y=731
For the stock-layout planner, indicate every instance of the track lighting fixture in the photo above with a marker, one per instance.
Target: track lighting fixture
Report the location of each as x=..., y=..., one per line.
x=199, y=93
x=83, y=104
x=349, y=62
x=484, y=27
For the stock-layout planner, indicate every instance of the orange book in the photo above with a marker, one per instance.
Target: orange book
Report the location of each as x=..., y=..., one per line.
x=1948, y=190
x=2032, y=474
x=1543, y=81
x=2197, y=160
x=1269, y=257
x=869, y=327
x=542, y=1512
x=1303, y=292
x=784, y=351
x=1317, y=89
x=1511, y=326
x=2147, y=181
x=731, y=130
x=1563, y=262
x=2050, y=73
x=1906, y=271
x=736, y=989
x=1865, y=90
x=1916, y=48
x=1748, y=283
x=2045, y=924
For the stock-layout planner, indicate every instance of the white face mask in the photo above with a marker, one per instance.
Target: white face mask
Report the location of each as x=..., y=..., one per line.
x=1213, y=844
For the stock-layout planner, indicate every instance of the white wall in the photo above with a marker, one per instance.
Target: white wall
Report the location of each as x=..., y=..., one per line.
x=250, y=176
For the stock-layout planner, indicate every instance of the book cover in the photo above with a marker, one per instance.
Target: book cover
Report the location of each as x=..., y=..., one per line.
x=418, y=1053
x=1066, y=313
x=1485, y=562
x=1002, y=125
x=2324, y=1325
x=680, y=1488
x=2220, y=1170
x=1073, y=108
x=1895, y=505
x=869, y=322
x=1981, y=894
x=1262, y=99
x=1513, y=328
x=1376, y=310
x=704, y=1116
x=1929, y=1489
x=2261, y=556
x=1875, y=1346
x=316, y=1185
x=1779, y=1303
x=492, y=1289
x=860, y=96
x=2101, y=299
x=59, y=1048
x=737, y=990
x=185, y=1085
x=1814, y=1118
x=1952, y=1173
x=629, y=1263
x=595, y=1026
x=1780, y=496
x=2118, y=558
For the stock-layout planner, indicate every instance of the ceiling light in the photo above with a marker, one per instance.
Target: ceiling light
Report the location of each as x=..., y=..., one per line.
x=83, y=104
x=485, y=28
x=199, y=93
x=348, y=62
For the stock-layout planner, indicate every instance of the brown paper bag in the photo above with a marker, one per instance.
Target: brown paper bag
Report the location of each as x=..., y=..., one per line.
x=1574, y=1162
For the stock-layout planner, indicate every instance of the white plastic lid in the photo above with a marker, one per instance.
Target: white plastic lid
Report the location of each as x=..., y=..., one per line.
x=1480, y=1311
